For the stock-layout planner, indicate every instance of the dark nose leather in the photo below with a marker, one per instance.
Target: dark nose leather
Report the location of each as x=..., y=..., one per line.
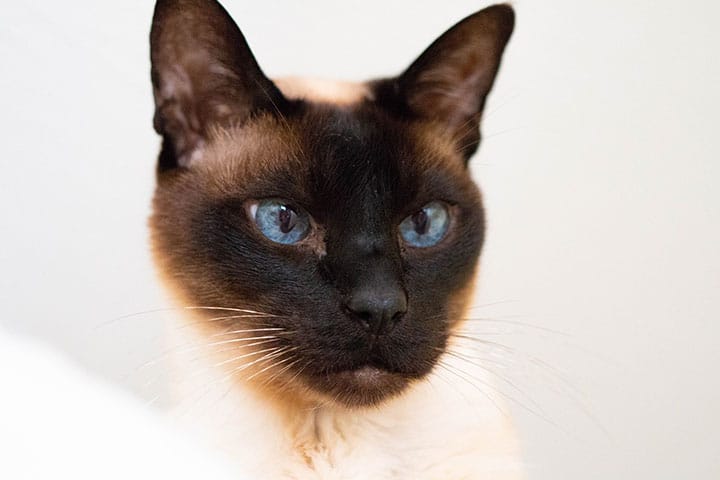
x=378, y=308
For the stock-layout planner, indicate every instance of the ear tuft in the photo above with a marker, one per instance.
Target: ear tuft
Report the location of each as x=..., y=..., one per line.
x=204, y=75
x=449, y=82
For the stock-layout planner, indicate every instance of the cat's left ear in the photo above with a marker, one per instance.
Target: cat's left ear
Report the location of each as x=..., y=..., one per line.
x=449, y=82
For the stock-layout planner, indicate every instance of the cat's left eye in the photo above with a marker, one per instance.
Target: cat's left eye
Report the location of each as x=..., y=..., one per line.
x=427, y=226
x=279, y=221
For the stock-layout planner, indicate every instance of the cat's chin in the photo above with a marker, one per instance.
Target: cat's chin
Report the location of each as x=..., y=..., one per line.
x=365, y=386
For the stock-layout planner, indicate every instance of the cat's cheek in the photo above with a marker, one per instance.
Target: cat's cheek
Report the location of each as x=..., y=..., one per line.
x=459, y=302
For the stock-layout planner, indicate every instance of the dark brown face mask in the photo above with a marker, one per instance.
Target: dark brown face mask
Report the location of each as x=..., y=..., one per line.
x=353, y=230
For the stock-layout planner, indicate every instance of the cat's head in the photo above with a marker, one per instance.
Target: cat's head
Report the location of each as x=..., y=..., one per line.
x=334, y=232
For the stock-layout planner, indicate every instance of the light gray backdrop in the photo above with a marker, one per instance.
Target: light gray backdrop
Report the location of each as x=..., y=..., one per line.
x=600, y=168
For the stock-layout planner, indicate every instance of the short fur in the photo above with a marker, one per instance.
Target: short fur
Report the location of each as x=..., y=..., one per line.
x=313, y=392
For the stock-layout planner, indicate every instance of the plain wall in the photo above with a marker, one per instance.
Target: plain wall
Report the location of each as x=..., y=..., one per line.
x=600, y=165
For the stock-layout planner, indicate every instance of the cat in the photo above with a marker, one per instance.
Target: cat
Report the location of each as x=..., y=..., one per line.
x=323, y=238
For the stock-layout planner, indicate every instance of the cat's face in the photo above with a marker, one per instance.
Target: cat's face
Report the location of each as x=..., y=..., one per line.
x=340, y=235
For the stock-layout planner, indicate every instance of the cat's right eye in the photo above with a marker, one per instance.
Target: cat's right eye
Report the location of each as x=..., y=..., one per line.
x=279, y=221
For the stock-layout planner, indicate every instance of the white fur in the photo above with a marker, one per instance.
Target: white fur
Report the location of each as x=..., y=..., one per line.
x=448, y=427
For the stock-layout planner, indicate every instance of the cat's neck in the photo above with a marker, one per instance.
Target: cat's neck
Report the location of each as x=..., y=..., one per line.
x=444, y=416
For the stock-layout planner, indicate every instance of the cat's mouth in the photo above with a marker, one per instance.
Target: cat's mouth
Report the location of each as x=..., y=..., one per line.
x=365, y=385
x=369, y=375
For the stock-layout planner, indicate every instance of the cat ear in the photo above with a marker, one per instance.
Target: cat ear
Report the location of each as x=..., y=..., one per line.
x=204, y=75
x=449, y=82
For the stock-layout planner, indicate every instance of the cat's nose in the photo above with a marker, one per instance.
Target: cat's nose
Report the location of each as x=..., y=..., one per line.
x=377, y=308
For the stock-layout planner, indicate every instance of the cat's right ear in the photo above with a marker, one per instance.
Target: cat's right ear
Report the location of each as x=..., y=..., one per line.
x=204, y=76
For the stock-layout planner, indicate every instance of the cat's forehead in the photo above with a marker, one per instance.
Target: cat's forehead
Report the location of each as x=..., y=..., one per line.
x=326, y=146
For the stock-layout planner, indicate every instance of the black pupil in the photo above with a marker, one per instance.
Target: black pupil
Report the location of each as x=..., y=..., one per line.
x=287, y=219
x=421, y=222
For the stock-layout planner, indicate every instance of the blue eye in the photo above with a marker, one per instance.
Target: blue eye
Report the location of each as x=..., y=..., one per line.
x=280, y=222
x=427, y=226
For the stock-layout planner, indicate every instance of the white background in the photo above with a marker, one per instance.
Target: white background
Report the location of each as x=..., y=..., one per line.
x=600, y=168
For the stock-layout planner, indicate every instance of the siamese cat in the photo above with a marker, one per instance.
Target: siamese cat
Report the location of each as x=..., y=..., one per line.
x=323, y=238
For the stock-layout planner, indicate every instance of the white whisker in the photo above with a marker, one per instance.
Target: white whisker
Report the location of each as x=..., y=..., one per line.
x=272, y=365
x=451, y=369
x=245, y=355
x=240, y=310
x=236, y=340
x=247, y=317
x=278, y=351
x=500, y=377
x=247, y=330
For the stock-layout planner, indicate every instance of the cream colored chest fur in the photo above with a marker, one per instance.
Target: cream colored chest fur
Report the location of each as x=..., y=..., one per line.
x=446, y=427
